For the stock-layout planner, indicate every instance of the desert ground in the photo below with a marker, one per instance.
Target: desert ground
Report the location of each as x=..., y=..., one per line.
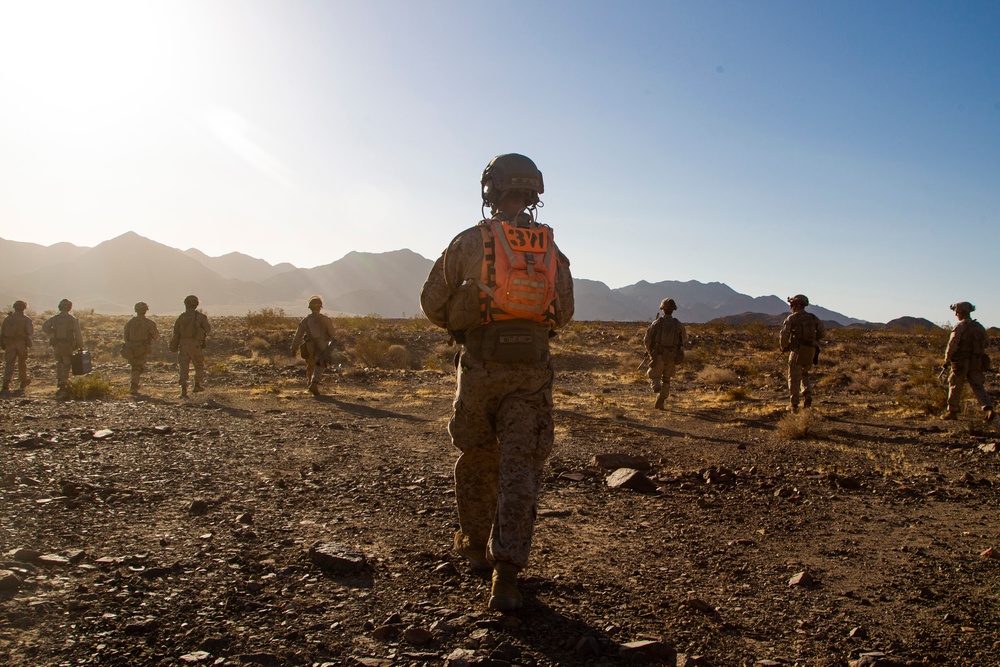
x=156, y=530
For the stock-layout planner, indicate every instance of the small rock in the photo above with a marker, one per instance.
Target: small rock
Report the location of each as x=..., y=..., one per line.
x=9, y=581
x=196, y=656
x=245, y=518
x=385, y=633
x=587, y=645
x=446, y=569
x=460, y=657
x=506, y=652
x=632, y=479
x=26, y=555
x=198, y=507
x=337, y=558
x=990, y=553
x=988, y=448
x=871, y=659
x=767, y=663
x=163, y=429
x=417, y=636
x=803, y=579
x=615, y=461
x=701, y=606
x=646, y=650
x=859, y=632
x=102, y=434
x=848, y=482
x=53, y=559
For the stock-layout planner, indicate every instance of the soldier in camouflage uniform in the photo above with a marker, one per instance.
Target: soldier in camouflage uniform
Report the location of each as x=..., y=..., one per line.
x=800, y=337
x=140, y=332
x=664, y=342
x=314, y=335
x=966, y=354
x=66, y=338
x=502, y=423
x=190, y=331
x=15, y=339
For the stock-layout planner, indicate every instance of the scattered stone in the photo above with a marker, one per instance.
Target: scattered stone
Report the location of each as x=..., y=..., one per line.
x=767, y=663
x=215, y=643
x=460, y=657
x=506, y=652
x=701, y=606
x=163, y=429
x=684, y=660
x=26, y=555
x=615, y=461
x=245, y=518
x=337, y=558
x=9, y=581
x=871, y=659
x=197, y=656
x=102, y=434
x=632, y=479
x=646, y=650
x=859, y=632
x=446, y=569
x=851, y=483
x=368, y=661
x=803, y=579
x=141, y=627
x=198, y=507
x=990, y=553
x=53, y=559
x=417, y=636
x=587, y=645
x=265, y=659
x=385, y=633
x=155, y=572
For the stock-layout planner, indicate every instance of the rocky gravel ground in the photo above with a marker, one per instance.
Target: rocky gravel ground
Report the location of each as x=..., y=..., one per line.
x=255, y=524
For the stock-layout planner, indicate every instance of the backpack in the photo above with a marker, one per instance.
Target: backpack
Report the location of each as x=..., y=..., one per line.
x=519, y=272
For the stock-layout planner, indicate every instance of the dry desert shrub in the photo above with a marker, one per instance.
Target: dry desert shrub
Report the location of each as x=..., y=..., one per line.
x=397, y=357
x=801, y=425
x=267, y=318
x=370, y=351
x=925, y=392
x=736, y=394
x=91, y=387
x=717, y=376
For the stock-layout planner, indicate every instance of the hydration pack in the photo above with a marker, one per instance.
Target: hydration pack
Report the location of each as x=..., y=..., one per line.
x=519, y=273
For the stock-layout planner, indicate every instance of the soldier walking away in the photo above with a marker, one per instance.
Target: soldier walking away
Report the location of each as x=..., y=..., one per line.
x=314, y=335
x=501, y=288
x=15, y=340
x=190, y=330
x=966, y=354
x=664, y=341
x=140, y=332
x=65, y=337
x=800, y=337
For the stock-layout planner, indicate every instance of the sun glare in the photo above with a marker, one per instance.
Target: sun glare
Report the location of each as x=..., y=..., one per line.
x=75, y=72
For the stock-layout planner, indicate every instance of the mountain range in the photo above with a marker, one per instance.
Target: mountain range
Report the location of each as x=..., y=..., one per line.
x=113, y=275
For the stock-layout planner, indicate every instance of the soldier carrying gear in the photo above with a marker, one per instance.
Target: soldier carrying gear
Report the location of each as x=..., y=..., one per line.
x=190, y=331
x=800, y=335
x=315, y=333
x=501, y=288
x=664, y=342
x=66, y=338
x=140, y=332
x=15, y=340
x=967, y=357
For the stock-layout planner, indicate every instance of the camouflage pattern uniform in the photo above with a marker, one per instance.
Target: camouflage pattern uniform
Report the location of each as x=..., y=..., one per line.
x=140, y=332
x=964, y=354
x=664, y=342
x=502, y=422
x=15, y=339
x=315, y=332
x=190, y=331
x=800, y=336
x=66, y=337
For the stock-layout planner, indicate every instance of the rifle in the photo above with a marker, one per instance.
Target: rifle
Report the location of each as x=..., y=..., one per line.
x=943, y=375
x=323, y=358
x=645, y=362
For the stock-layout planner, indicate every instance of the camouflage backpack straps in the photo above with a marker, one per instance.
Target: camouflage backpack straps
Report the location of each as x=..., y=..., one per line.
x=669, y=332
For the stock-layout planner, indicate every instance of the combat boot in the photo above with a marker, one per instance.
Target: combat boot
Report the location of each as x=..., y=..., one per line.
x=314, y=389
x=989, y=413
x=6, y=388
x=807, y=401
x=950, y=416
x=794, y=407
x=24, y=385
x=504, y=595
x=134, y=389
x=198, y=388
x=184, y=391
x=475, y=555
x=659, y=402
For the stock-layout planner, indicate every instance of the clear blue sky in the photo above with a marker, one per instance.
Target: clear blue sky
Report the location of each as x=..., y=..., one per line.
x=849, y=150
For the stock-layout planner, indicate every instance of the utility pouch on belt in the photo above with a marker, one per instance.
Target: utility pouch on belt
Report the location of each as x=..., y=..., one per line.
x=462, y=309
x=509, y=343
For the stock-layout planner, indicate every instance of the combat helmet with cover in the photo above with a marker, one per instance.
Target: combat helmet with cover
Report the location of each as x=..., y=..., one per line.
x=798, y=300
x=191, y=301
x=668, y=305
x=141, y=307
x=962, y=307
x=511, y=171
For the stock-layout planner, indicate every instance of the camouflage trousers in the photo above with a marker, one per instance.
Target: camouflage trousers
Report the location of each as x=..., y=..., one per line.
x=314, y=371
x=962, y=372
x=503, y=427
x=138, y=364
x=800, y=361
x=63, y=354
x=188, y=355
x=16, y=354
x=661, y=369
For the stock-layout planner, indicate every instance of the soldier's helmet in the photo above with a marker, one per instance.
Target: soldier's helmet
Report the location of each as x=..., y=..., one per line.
x=668, y=305
x=65, y=304
x=20, y=306
x=191, y=300
x=511, y=171
x=962, y=307
x=141, y=307
x=798, y=299
x=315, y=300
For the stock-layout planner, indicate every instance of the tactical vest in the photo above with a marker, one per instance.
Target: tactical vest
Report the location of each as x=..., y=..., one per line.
x=670, y=332
x=518, y=280
x=62, y=329
x=804, y=329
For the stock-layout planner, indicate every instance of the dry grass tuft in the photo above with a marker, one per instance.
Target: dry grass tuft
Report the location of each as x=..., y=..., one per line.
x=397, y=357
x=717, y=376
x=370, y=351
x=91, y=388
x=801, y=425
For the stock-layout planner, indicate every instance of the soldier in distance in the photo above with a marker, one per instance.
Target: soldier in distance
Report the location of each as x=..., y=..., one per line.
x=313, y=335
x=966, y=355
x=139, y=334
x=191, y=329
x=800, y=335
x=664, y=342
x=65, y=337
x=15, y=341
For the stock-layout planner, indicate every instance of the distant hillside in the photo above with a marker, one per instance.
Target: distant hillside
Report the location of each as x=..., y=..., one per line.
x=112, y=276
x=910, y=324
